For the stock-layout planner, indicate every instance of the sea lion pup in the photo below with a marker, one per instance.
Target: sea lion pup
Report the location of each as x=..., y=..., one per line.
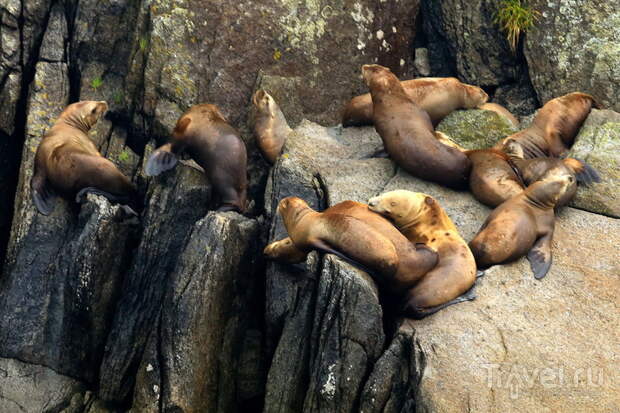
x=554, y=127
x=493, y=178
x=351, y=231
x=438, y=96
x=500, y=110
x=408, y=134
x=422, y=220
x=523, y=225
x=206, y=136
x=270, y=127
x=67, y=162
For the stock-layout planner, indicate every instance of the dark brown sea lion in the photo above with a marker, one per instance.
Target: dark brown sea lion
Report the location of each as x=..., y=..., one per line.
x=350, y=230
x=67, y=162
x=206, y=136
x=270, y=127
x=408, y=134
x=554, y=127
x=523, y=225
x=438, y=96
x=500, y=110
x=422, y=220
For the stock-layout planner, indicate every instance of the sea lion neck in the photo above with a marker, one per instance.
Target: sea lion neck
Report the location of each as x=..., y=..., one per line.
x=540, y=195
x=75, y=121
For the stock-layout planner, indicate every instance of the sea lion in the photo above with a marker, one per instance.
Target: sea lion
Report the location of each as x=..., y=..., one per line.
x=438, y=96
x=523, y=225
x=67, y=162
x=212, y=143
x=493, y=178
x=500, y=110
x=270, y=127
x=351, y=231
x=554, y=127
x=422, y=220
x=285, y=251
x=408, y=135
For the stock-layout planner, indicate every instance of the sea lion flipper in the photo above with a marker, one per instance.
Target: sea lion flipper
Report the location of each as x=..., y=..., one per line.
x=378, y=152
x=42, y=195
x=540, y=256
x=584, y=173
x=161, y=160
x=419, y=313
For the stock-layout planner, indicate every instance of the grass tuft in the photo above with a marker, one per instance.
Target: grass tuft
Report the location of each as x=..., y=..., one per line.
x=515, y=17
x=96, y=83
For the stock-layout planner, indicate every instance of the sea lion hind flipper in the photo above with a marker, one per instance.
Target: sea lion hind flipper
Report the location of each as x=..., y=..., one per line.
x=419, y=313
x=540, y=257
x=586, y=174
x=160, y=161
x=81, y=195
x=43, y=196
x=378, y=152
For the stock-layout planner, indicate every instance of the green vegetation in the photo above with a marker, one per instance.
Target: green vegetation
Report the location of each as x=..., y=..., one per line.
x=143, y=44
x=118, y=97
x=124, y=156
x=515, y=17
x=96, y=83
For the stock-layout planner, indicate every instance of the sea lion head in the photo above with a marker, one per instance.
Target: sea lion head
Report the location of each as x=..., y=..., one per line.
x=378, y=77
x=400, y=206
x=473, y=96
x=84, y=114
x=513, y=148
x=555, y=183
x=263, y=102
x=291, y=209
x=284, y=250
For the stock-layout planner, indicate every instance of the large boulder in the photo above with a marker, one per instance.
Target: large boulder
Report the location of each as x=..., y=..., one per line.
x=417, y=368
x=598, y=143
x=475, y=128
x=575, y=47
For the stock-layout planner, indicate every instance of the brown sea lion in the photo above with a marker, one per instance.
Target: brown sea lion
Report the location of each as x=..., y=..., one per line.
x=270, y=127
x=523, y=225
x=500, y=110
x=67, y=162
x=408, y=134
x=285, y=251
x=493, y=178
x=438, y=96
x=206, y=136
x=554, y=127
x=422, y=220
x=350, y=230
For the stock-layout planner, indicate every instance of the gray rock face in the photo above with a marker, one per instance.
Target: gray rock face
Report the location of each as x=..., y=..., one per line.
x=598, y=143
x=575, y=47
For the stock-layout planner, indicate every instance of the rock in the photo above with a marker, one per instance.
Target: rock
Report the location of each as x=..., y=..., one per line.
x=464, y=40
x=425, y=361
x=175, y=201
x=206, y=312
x=575, y=47
x=32, y=388
x=476, y=129
x=598, y=144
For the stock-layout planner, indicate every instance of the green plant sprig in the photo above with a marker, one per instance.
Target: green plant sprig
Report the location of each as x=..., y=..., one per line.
x=515, y=17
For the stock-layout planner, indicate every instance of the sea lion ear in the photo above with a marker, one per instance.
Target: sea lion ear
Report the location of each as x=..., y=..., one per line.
x=161, y=160
x=429, y=201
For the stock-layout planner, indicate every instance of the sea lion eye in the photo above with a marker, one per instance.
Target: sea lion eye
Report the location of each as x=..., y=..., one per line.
x=571, y=179
x=393, y=203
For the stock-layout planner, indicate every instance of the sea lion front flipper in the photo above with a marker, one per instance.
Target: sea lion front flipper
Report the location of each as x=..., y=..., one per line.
x=540, y=256
x=161, y=160
x=43, y=195
x=378, y=152
x=418, y=313
x=584, y=173
x=446, y=140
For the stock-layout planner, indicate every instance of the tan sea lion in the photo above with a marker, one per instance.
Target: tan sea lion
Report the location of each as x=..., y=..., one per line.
x=67, y=162
x=408, y=134
x=523, y=225
x=554, y=127
x=493, y=178
x=350, y=230
x=270, y=126
x=500, y=110
x=422, y=220
x=438, y=96
x=206, y=136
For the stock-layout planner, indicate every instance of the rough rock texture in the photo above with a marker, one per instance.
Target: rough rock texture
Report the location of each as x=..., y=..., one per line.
x=32, y=388
x=598, y=143
x=476, y=129
x=415, y=368
x=575, y=46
